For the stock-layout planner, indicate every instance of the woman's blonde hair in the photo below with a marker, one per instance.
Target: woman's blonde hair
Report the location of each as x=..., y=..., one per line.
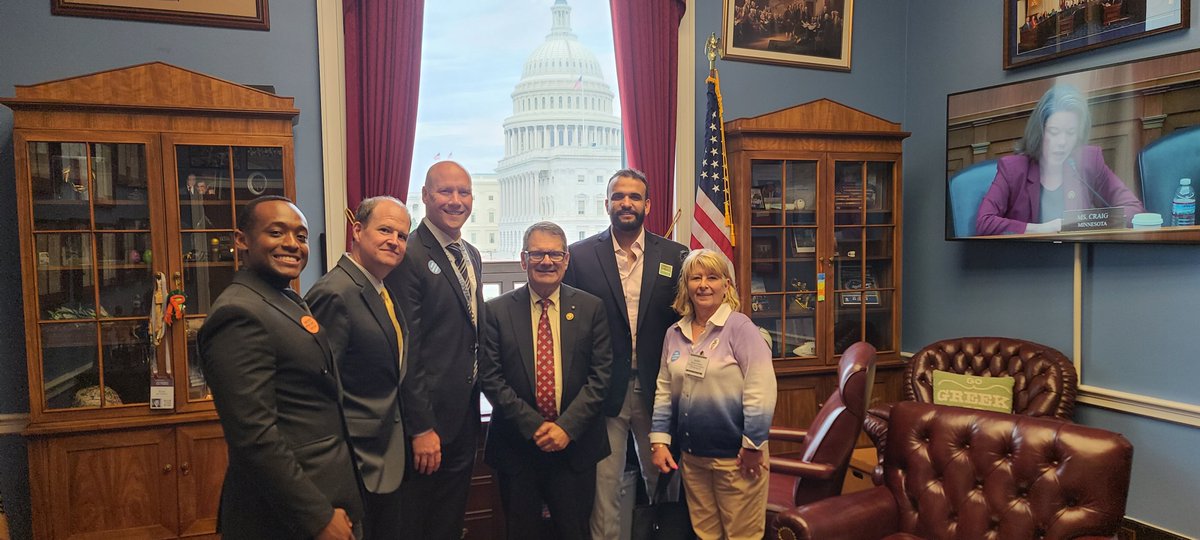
x=705, y=260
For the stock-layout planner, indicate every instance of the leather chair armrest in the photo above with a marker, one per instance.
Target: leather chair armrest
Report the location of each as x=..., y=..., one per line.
x=863, y=515
x=787, y=434
x=803, y=469
x=875, y=424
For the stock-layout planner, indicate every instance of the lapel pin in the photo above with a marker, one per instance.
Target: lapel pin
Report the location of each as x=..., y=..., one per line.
x=310, y=324
x=571, y=316
x=433, y=267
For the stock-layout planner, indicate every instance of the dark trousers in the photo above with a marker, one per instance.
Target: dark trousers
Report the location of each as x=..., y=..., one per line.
x=566, y=492
x=382, y=521
x=435, y=505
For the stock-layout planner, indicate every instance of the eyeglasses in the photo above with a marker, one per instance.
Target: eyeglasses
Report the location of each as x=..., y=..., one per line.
x=537, y=256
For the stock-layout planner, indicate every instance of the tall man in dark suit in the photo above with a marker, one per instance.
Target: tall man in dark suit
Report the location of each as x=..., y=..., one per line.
x=635, y=273
x=275, y=385
x=438, y=286
x=366, y=331
x=545, y=365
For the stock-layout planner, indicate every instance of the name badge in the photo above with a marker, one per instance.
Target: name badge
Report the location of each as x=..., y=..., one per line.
x=697, y=365
x=665, y=270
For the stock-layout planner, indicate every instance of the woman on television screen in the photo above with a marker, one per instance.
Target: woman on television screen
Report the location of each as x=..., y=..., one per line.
x=1052, y=171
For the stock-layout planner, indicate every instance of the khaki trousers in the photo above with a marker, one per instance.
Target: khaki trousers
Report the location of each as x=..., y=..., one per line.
x=722, y=503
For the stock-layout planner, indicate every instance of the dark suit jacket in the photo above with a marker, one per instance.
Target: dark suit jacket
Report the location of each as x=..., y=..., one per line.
x=276, y=390
x=593, y=269
x=438, y=391
x=506, y=374
x=363, y=340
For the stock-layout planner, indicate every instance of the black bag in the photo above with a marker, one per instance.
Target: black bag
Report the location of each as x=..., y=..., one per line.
x=662, y=520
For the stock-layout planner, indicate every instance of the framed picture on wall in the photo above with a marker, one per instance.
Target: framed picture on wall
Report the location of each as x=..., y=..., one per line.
x=244, y=14
x=1040, y=30
x=804, y=33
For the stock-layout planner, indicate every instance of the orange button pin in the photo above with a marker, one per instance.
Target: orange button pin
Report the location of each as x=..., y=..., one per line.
x=310, y=324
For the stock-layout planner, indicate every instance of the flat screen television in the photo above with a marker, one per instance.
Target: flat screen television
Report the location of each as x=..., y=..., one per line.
x=1086, y=156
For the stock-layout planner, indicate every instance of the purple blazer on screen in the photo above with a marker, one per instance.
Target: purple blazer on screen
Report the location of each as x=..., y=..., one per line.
x=1014, y=199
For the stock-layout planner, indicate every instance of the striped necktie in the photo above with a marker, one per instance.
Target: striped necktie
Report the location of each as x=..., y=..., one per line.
x=464, y=277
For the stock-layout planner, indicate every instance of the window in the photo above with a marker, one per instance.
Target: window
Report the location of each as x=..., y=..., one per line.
x=515, y=185
x=582, y=235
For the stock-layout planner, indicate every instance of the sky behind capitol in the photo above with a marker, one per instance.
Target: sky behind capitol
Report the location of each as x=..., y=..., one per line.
x=472, y=57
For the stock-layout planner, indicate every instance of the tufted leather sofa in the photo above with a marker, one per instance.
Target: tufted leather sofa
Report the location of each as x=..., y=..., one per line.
x=1044, y=380
x=953, y=473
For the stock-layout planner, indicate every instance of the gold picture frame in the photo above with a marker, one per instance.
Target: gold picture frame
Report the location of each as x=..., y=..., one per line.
x=789, y=32
x=1036, y=31
x=243, y=14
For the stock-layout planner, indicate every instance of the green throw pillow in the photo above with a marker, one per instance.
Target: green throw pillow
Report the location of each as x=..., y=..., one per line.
x=984, y=393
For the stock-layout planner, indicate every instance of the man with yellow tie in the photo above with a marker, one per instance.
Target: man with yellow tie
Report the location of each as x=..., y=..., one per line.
x=367, y=333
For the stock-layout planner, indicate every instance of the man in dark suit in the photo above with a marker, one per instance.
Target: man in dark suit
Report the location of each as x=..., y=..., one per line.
x=275, y=385
x=545, y=365
x=438, y=286
x=366, y=332
x=635, y=273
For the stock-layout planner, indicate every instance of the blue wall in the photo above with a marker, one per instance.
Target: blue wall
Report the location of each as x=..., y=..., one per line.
x=38, y=47
x=1138, y=300
x=1138, y=318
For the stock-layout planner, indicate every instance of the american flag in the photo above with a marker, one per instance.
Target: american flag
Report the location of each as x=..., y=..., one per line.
x=712, y=222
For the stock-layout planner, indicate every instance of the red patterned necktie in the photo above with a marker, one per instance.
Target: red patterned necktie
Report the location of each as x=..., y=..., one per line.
x=544, y=370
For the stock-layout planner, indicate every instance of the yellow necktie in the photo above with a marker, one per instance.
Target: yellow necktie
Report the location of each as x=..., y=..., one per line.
x=391, y=309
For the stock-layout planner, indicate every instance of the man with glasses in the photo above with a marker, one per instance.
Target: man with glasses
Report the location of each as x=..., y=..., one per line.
x=438, y=286
x=635, y=273
x=545, y=366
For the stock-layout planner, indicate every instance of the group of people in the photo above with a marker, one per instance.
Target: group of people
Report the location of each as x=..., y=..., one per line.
x=353, y=412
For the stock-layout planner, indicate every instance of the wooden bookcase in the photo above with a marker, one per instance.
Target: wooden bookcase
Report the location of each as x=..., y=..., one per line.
x=817, y=219
x=124, y=176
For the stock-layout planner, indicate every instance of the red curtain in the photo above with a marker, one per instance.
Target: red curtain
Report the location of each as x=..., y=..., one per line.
x=383, y=74
x=646, y=40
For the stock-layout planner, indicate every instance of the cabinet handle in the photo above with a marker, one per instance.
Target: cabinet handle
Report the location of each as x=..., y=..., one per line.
x=167, y=468
x=185, y=468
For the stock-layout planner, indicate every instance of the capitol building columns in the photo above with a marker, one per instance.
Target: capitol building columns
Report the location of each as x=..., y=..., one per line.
x=561, y=142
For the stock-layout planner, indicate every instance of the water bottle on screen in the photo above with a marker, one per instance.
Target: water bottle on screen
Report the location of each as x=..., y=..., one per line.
x=1183, y=206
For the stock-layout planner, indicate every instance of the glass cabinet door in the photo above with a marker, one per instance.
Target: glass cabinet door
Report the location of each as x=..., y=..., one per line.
x=94, y=265
x=213, y=183
x=864, y=240
x=783, y=254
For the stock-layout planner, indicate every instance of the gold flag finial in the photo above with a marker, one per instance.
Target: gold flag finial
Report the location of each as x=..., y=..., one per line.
x=710, y=48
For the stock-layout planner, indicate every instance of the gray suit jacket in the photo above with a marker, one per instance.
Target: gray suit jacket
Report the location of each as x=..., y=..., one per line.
x=593, y=269
x=506, y=373
x=275, y=387
x=364, y=345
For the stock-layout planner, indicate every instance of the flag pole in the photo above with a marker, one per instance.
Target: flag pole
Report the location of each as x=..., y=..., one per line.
x=712, y=48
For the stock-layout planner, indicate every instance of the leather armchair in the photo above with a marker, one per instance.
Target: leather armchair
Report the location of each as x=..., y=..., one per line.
x=959, y=473
x=1044, y=380
x=828, y=443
